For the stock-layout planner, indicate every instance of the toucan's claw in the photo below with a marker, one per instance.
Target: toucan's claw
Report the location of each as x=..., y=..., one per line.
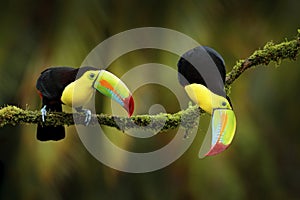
x=44, y=113
x=88, y=116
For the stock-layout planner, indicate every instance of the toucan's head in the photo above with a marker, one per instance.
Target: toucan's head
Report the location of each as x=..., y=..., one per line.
x=223, y=123
x=109, y=85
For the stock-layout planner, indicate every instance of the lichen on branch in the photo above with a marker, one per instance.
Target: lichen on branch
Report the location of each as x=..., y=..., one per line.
x=12, y=115
x=188, y=118
x=271, y=52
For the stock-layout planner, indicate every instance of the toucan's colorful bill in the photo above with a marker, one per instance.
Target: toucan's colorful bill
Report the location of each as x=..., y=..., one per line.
x=220, y=133
x=111, y=86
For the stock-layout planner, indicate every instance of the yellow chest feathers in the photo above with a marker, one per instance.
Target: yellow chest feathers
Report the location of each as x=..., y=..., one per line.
x=206, y=99
x=77, y=93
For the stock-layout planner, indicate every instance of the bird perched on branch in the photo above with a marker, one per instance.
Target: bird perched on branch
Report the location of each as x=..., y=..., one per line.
x=74, y=88
x=201, y=71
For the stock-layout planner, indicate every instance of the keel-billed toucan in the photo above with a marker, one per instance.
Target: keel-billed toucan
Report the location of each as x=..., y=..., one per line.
x=56, y=86
x=201, y=71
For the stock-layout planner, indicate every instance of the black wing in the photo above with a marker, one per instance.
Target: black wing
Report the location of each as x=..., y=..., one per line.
x=195, y=66
x=52, y=81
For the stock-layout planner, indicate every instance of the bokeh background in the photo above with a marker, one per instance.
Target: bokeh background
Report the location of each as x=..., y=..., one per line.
x=264, y=159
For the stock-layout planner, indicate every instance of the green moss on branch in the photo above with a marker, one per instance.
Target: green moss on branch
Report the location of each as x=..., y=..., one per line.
x=270, y=53
x=12, y=115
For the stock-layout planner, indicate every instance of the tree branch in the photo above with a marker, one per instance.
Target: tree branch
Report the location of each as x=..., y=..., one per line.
x=270, y=52
x=12, y=115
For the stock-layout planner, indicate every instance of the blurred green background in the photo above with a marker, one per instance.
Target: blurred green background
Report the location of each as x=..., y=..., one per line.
x=264, y=159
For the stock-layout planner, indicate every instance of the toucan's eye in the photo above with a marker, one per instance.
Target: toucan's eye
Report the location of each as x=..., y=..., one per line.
x=224, y=103
x=91, y=75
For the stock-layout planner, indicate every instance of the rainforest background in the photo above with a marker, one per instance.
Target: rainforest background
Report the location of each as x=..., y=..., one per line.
x=264, y=159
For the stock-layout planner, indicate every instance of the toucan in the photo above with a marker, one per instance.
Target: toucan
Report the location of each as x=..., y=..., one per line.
x=75, y=87
x=202, y=73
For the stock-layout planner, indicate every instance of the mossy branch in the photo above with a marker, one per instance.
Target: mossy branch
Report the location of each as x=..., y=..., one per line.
x=270, y=52
x=12, y=115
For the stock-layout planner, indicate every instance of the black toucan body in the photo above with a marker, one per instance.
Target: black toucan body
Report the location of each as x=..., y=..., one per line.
x=56, y=85
x=190, y=73
x=202, y=73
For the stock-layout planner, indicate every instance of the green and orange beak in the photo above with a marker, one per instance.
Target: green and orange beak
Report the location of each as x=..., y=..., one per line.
x=220, y=133
x=111, y=86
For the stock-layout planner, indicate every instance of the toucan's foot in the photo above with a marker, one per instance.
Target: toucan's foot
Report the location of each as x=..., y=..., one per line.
x=88, y=116
x=44, y=113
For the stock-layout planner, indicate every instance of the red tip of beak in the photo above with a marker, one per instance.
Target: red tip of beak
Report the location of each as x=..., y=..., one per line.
x=218, y=148
x=129, y=105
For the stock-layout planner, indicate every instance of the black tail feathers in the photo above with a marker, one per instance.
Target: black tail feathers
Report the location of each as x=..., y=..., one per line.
x=46, y=133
